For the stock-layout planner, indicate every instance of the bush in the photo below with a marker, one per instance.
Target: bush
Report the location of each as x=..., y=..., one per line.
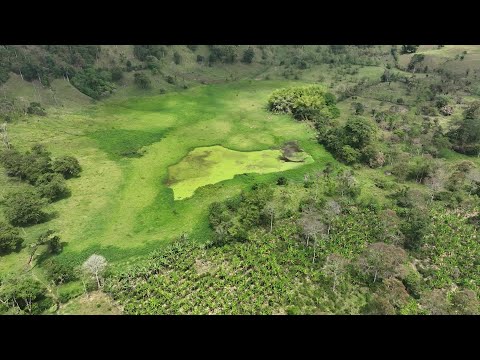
x=177, y=58
x=142, y=81
x=58, y=272
x=24, y=207
x=68, y=166
x=10, y=239
x=282, y=180
x=349, y=155
x=409, y=49
x=359, y=108
x=52, y=187
x=200, y=58
x=303, y=102
x=12, y=161
x=36, y=109
x=117, y=74
x=248, y=56
x=93, y=82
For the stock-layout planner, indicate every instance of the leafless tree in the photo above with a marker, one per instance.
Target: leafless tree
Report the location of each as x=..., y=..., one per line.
x=335, y=266
x=436, y=182
x=435, y=302
x=473, y=176
x=312, y=226
x=4, y=135
x=95, y=266
x=271, y=212
x=381, y=260
x=331, y=210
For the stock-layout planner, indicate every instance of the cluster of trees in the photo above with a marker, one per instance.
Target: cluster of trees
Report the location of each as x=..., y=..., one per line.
x=74, y=63
x=26, y=294
x=45, y=178
x=47, y=62
x=465, y=132
x=95, y=83
x=23, y=295
x=318, y=246
x=304, y=102
x=353, y=142
x=227, y=54
x=142, y=52
x=142, y=81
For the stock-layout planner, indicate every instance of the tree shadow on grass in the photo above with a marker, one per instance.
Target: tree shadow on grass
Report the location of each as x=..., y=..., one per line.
x=45, y=255
x=49, y=216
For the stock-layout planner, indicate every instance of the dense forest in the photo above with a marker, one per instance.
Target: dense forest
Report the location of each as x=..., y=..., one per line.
x=240, y=179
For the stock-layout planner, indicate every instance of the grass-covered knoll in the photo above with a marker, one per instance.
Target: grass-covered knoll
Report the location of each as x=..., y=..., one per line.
x=210, y=165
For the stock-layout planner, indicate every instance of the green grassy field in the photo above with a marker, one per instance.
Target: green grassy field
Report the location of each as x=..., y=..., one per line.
x=122, y=206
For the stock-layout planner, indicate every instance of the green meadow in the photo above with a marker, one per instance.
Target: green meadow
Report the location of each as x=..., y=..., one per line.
x=153, y=165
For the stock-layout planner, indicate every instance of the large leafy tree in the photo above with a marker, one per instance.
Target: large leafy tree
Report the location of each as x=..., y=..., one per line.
x=24, y=207
x=359, y=131
x=10, y=238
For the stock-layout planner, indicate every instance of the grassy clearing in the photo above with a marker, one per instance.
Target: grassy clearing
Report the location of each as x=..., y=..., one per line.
x=121, y=206
x=213, y=164
x=95, y=303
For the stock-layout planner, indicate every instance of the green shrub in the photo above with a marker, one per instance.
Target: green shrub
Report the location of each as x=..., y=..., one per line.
x=142, y=81
x=282, y=180
x=68, y=166
x=177, y=58
x=36, y=109
x=248, y=55
x=10, y=238
x=303, y=102
x=52, y=187
x=24, y=207
x=58, y=272
x=93, y=82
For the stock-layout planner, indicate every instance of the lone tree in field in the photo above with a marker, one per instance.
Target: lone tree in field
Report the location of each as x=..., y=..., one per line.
x=95, y=266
